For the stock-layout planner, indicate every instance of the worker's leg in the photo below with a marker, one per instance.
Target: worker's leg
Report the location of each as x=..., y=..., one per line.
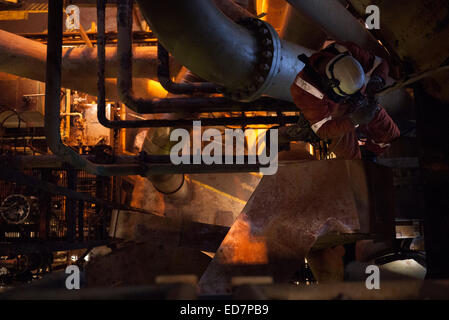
x=346, y=147
x=380, y=132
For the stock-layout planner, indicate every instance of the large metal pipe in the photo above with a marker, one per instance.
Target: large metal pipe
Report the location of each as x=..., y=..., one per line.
x=169, y=105
x=233, y=10
x=203, y=39
x=338, y=23
x=139, y=105
x=27, y=58
x=247, y=60
x=299, y=29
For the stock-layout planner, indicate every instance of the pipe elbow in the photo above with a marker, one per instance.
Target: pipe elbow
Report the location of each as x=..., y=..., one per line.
x=247, y=59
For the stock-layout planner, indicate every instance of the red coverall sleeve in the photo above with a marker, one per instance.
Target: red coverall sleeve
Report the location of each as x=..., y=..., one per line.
x=317, y=110
x=367, y=60
x=335, y=128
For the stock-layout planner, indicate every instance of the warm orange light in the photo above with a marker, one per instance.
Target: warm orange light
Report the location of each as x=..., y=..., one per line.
x=311, y=151
x=242, y=247
x=156, y=90
x=262, y=7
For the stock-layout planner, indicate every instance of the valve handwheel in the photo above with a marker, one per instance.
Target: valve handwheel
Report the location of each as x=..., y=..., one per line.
x=15, y=209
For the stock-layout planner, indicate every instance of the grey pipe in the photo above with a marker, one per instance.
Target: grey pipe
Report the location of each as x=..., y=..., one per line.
x=299, y=29
x=338, y=23
x=249, y=61
x=203, y=39
x=233, y=10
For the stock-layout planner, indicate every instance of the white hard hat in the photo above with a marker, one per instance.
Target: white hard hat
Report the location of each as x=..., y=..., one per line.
x=346, y=75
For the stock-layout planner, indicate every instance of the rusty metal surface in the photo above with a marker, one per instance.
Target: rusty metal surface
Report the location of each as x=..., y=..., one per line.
x=290, y=211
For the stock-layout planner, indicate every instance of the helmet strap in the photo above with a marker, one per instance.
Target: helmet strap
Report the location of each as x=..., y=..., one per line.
x=334, y=83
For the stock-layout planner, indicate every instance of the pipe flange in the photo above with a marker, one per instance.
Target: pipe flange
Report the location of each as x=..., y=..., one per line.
x=268, y=60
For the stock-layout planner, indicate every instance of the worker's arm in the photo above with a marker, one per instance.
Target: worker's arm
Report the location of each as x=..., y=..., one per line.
x=316, y=110
x=333, y=128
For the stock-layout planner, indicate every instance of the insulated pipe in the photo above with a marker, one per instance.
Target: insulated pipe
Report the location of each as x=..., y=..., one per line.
x=144, y=61
x=248, y=60
x=53, y=103
x=338, y=23
x=27, y=58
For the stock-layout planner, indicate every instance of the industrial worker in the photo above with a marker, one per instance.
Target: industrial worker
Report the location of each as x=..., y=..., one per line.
x=336, y=94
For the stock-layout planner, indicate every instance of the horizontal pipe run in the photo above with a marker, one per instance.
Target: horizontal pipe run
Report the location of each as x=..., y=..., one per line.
x=206, y=122
x=201, y=169
x=151, y=164
x=141, y=37
x=210, y=104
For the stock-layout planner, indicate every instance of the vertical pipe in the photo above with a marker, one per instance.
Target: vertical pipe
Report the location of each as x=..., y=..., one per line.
x=53, y=102
x=99, y=209
x=101, y=53
x=124, y=50
x=53, y=73
x=44, y=206
x=72, y=177
x=167, y=184
x=163, y=74
x=80, y=220
x=67, y=112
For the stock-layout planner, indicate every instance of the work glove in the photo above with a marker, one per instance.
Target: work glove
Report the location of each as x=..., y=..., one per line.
x=364, y=114
x=375, y=84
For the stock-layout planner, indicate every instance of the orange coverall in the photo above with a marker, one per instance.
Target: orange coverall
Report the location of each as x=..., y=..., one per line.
x=329, y=119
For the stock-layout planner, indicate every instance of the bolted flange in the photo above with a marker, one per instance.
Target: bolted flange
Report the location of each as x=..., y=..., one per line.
x=268, y=60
